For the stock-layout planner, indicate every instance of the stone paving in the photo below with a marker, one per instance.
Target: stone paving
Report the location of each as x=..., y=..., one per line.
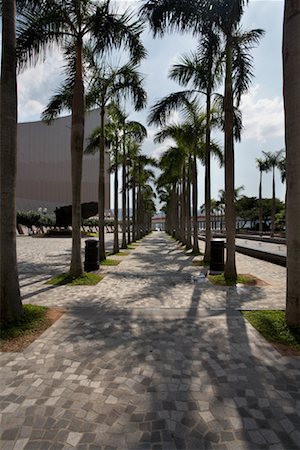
x=154, y=357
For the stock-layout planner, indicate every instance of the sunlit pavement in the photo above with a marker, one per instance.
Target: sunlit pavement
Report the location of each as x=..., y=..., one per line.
x=154, y=357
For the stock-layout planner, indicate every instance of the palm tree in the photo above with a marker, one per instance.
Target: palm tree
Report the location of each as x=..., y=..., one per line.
x=69, y=24
x=291, y=69
x=132, y=132
x=202, y=70
x=272, y=161
x=144, y=200
x=238, y=74
x=10, y=299
x=262, y=166
x=180, y=158
x=107, y=85
x=193, y=134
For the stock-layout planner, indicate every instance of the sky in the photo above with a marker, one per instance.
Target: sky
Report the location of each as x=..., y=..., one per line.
x=262, y=106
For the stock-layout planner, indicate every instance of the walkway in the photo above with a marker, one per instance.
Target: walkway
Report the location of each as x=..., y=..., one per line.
x=153, y=357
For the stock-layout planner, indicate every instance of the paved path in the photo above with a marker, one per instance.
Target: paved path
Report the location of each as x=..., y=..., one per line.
x=153, y=357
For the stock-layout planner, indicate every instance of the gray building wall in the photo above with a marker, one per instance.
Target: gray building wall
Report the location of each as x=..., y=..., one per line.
x=44, y=165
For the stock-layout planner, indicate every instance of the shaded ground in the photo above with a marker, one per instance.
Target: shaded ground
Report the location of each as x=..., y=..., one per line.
x=154, y=357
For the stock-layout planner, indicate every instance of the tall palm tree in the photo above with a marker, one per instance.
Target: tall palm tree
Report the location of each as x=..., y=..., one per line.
x=132, y=132
x=145, y=206
x=194, y=138
x=262, y=166
x=10, y=299
x=107, y=85
x=238, y=74
x=291, y=70
x=202, y=71
x=194, y=133
x=272, y=161
x=69, y=24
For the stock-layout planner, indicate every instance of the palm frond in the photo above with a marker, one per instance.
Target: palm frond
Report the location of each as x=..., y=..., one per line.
x=60, y=101
x=38, y=31
x=243, y=60
x=161, y=111
x=112, y=30
x=93, y=142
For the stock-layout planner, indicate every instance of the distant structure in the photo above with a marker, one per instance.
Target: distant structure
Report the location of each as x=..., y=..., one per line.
x=44, y=165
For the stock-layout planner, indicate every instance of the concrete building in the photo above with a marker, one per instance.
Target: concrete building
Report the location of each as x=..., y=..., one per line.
x=44, y=165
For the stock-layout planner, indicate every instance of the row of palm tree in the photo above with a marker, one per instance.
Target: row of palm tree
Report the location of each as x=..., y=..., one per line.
x=125, y=137
x=69, y=24
x=28, y=36
x=268, y=163
x=224, y=54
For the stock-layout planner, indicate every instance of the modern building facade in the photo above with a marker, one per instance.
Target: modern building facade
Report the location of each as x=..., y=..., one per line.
x=44, y=165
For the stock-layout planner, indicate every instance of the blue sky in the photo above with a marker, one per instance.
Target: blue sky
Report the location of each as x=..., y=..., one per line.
x=262, y=106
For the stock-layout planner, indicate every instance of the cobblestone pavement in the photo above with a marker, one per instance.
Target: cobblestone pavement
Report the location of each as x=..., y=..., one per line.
x=153, y=357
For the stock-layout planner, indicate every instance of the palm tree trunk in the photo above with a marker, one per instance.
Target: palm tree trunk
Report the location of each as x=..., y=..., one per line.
x=230, y=214
x=207, y=177
x=101, y=188
x=128, y=209
x=188, y=206
x=124, y=244
x=77, y=136
x=195, y=206
x=133, y=210
x=10, y=299
x=291, y=70
x=116, y=205
x=273, y=204
x=260, y=205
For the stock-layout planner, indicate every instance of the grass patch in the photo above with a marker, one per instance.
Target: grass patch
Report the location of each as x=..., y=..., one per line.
x=88, y=234
x=272, y=325
x=220, y=280
x=86, y=279
x=17, y=335
x=122, y=253
x=109, y=262
x=132, y=246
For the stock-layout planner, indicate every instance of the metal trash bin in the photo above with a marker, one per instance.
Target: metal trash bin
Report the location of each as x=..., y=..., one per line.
x=217, y=256
x=91, y=261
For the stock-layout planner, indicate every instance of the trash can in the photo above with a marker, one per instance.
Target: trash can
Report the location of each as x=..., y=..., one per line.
x=217, y=256
x=91, y=255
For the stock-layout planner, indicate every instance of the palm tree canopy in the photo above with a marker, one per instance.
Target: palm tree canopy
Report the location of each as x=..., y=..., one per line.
x=68, y=22
x=272, y=159
x=261, y=164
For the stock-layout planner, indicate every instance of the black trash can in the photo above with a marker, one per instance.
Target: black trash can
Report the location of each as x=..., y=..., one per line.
x=91, y=261
x=217, y=256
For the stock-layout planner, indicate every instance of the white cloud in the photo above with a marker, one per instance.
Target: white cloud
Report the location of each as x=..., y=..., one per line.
x=263, y=118
x=36, y=85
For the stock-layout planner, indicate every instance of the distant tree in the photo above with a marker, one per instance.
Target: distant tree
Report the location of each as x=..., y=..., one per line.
x=246, y=209
x=262, y=166
x=272, y=161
